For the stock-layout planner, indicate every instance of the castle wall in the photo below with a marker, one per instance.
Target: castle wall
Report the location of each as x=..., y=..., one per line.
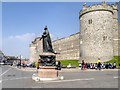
x=96, y=33
x=32, y=52
x=67, y=47
x=118, y=39
x=98, y=36
x=35, y=49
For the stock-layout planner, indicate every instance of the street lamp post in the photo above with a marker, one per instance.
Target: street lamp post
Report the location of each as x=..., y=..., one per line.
x=20, y=61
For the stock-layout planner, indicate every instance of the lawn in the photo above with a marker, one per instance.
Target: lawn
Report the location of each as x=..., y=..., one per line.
x=115, y=59
x=72, y=62
x=75, y=62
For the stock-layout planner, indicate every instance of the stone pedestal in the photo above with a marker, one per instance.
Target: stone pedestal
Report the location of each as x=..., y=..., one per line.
x=47, y=59
x=47, y=73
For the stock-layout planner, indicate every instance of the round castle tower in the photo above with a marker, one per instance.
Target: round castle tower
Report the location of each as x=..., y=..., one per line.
x=115, y=29
x=96, y=32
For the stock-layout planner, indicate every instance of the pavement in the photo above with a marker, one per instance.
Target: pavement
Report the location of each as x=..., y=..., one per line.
x=12, y=77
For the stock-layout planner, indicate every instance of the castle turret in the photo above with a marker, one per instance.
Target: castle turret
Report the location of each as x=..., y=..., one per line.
x=96, y=32
x=115, y=29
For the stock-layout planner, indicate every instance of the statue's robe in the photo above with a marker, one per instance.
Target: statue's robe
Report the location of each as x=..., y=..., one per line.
x=47, y=45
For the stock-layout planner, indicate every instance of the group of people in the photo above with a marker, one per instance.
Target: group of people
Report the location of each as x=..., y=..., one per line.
x=98, y=65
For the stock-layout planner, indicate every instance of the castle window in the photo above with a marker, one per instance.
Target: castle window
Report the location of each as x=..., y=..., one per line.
x=90, y=21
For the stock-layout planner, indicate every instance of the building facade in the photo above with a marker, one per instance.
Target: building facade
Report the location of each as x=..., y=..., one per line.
x=98, y=36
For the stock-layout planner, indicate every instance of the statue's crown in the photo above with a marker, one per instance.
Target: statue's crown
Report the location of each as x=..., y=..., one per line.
x=45, y=28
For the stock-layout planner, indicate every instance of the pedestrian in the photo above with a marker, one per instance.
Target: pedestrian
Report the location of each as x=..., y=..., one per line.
x=98, y=60
x=83, y=65
x=80, y=65
x=58, y=64
x=99, y=64
x=102, y=65
x=37, y=65
x=96, y=66
x=110, y=66
x=88, y=66
x=107, y=65
x=91, y=66
x=114, y=65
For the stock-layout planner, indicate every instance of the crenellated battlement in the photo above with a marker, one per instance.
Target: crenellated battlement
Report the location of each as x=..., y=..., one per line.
x=98, y=7
x=115, y=6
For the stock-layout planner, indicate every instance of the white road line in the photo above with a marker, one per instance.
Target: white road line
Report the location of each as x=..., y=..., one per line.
x=16, y=78
x=5, y=71
x=0, y=81
x=67, y=80
x=115, y=77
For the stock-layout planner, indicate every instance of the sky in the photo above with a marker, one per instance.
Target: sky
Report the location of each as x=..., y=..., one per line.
x=23, y=21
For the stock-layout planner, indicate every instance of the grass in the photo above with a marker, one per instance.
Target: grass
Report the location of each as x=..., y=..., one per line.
x=72, y=62
x=115, y=59
x=75, y=62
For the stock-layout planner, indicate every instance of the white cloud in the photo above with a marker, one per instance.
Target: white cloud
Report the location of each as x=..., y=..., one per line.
x=23, y=37
x=18, y=44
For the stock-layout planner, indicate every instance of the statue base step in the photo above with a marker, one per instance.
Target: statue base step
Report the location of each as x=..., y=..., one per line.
x=47, y=73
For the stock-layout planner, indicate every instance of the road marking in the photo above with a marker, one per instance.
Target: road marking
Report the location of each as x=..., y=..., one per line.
x=36, y=87
x=115, y=77
x=0, y=81
x=16, y=78
x=67, y=80
x=5, y=71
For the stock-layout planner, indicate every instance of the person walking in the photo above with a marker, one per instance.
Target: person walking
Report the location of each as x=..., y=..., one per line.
x=83, y=65
x=114, y=65
x=80, y=66
x=99, y=64
x=37, y=65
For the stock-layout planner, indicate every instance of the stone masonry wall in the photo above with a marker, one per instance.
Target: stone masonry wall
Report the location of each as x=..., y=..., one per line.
x=32, y=52
x=35, y=49
x=119, y=39
x=67, y=47
x=96, y=27
x=96, y=33
x=115, y=29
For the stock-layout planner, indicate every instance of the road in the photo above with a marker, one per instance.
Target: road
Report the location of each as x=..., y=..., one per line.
x=14, y=78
